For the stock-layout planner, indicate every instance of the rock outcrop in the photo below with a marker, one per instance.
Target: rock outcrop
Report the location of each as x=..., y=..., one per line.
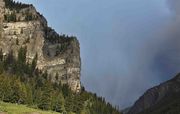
x=22, y=26
x=156, y=94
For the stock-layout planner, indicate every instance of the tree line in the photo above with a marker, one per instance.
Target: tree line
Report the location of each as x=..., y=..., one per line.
x=21, y=82
x=11, y=4
x=15, y=7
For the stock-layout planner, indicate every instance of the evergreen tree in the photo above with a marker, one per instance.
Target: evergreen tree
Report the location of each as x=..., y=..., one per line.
x=22, y=56
x=45, y=99
x=34, y=63
x=69, y=103
x=10, y=58
x=1, y=55
x=24, y=94
x=1, y=67
x=58, y=103
x=57, y=76
x=18, y=92
x=21, y=61
x=6, y=91
x=2, y=87
x=66, y=91
x=29, y=98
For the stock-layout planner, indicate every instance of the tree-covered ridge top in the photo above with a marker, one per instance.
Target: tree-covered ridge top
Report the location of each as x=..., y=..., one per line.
x=11, y=4
x=16, y=8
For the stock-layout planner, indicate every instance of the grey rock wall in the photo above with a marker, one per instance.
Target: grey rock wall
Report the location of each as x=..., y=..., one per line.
x=32, y=34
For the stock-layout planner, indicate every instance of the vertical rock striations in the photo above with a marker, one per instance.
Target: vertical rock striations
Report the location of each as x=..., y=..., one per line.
x=22, y=26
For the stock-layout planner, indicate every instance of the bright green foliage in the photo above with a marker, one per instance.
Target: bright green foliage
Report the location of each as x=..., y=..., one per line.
x=11, y=108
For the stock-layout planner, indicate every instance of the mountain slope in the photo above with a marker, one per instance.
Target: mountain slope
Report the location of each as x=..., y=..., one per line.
x=168, y=105
x=162, y=99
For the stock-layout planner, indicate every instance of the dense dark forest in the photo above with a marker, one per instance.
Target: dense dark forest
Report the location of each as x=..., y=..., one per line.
x=22, y=83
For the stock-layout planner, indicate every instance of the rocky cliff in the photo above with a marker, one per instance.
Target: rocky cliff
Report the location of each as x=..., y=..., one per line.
x=22, y=26
x=158, y=96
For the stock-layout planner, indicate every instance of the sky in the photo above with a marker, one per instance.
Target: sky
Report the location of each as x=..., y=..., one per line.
x=127, y=46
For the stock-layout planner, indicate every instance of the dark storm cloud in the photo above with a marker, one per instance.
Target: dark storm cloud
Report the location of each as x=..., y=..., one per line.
x=152, y=58
x=167, y=59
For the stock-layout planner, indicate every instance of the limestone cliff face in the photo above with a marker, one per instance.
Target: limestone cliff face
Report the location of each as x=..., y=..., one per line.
x=57, y=54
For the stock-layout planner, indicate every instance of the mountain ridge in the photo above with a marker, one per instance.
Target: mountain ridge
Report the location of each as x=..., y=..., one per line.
x=155, y=95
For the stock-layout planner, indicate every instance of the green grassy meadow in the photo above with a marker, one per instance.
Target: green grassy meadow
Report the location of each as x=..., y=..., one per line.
x=10, y=108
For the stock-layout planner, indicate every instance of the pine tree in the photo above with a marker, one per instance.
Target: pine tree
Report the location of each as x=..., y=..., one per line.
x=21, y=61
x=23, y=94
x=10, y=59
x=7, y=91
x=69, y=103
x=17, y=92
x=2, y=87
x=66, y=91
x=58, y=103
x=45, y=99
x=1, y=67
x=57, y=76
x=29, y=98
x=1, y=55
x=22, y=55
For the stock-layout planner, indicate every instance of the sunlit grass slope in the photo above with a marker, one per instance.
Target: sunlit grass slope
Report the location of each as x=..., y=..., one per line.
x=20, y=109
